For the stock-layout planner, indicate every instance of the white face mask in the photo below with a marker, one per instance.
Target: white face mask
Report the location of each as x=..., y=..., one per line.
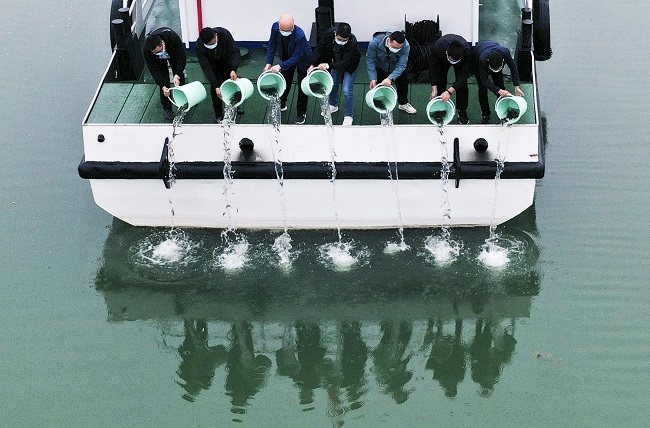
x=392, y=49
x=286, y=33
x=340, y=42
x=211, y=46
x=163, y=54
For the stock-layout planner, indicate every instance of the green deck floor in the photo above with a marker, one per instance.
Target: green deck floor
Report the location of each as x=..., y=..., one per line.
x=138, y=102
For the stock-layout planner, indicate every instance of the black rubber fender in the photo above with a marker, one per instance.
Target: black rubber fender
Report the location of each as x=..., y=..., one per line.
x=116, y=5
x=541, y=30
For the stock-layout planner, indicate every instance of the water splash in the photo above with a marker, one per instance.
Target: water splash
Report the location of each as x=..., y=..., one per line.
x=274, y=119
x=342, y=256
x=165, y=256
x=329, y=126
x=391, y=153
x=493, y=254
x=227, y=125
x=282, y=247
x=442, y=249
x=234, y=255
x=177, y=123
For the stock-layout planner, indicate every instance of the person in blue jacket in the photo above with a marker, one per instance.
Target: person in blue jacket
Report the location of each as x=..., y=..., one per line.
x=295, y=54
x=488, y=61
x=386, y=60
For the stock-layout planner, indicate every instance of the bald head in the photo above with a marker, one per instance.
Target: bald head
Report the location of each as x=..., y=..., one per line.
x=286, y=23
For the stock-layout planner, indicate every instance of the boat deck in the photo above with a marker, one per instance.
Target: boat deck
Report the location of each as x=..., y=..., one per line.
x=139, y=102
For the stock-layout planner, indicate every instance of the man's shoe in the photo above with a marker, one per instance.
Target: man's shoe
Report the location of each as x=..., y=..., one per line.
x=283, y=107
x=300, y=119
x=169, y=114
x=486, y=119
x=240, y=111
x=408, y=108
x=462, y=117
x=218, y=119
x=347, y=121
x=333, y=109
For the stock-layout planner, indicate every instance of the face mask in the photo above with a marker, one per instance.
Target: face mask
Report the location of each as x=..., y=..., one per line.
x=285, y=33
x=454, y=62
x=163, y=54
x=392, y=49
x=339, y=42
x=211, y=46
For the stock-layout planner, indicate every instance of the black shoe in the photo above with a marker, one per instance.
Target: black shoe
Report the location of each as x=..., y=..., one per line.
x=462, y=117
x=300, y=119
x=218, y=119
x=169, y=114
x=486, y=119
x=240, y=111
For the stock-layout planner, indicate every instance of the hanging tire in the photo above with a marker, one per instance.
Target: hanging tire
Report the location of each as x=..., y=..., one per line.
x=541, y=30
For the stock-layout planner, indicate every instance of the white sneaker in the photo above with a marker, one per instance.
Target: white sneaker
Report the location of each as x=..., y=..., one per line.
x=408, y=108
x=333, y=109
x=347, y=121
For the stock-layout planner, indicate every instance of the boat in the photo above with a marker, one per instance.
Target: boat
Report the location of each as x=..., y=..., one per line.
x=149, y=172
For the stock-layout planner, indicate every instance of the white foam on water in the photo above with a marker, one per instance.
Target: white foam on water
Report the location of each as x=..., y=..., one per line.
x=234, y=256
x=493, y=255
x=340, y=256
x=442, y=249
x=395, y=247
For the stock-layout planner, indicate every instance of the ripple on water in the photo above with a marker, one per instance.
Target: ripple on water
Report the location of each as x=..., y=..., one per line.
x=165, y=256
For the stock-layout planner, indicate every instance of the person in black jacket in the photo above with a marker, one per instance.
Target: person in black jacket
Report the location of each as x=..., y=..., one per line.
x=218, y=56
x=488, y=60
x=451, y=50
x=337, y=52
x=162, y=49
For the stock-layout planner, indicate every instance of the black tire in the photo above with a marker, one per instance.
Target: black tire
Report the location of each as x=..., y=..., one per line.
x=541, y=30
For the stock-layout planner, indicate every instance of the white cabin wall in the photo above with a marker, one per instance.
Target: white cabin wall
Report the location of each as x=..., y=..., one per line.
x=250, y=20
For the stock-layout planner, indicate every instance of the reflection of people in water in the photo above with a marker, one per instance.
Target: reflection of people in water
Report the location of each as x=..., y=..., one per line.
x=198, y=360
x=489, y=354
x=304, y=360
x=353, y=362
x=447, y=358
x=247, y=372
x=390, y=362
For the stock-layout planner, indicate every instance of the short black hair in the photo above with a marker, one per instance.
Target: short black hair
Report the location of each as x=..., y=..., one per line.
x=343, y=30
x=455, y=50
x=207, y=34
x=397, y=36
x=153, y=41
x=495, y=59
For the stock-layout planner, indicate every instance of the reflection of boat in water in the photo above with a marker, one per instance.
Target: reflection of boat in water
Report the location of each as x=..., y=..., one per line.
x=385, y=326
x=127, y=160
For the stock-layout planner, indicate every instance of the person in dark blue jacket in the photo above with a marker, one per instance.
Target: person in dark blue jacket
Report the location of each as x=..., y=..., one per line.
x=337, y=52
x=488, y=59
x=451, y=50
x=219, y=57
x=164, y=49
x=295, y=54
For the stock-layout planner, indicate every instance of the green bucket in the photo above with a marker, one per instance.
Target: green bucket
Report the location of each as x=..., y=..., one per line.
x=317, y=84
x=510, y=109
x=382, y=99
x=187, y=95
x=235, y=92
x=440, y=112
x=271, y=85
